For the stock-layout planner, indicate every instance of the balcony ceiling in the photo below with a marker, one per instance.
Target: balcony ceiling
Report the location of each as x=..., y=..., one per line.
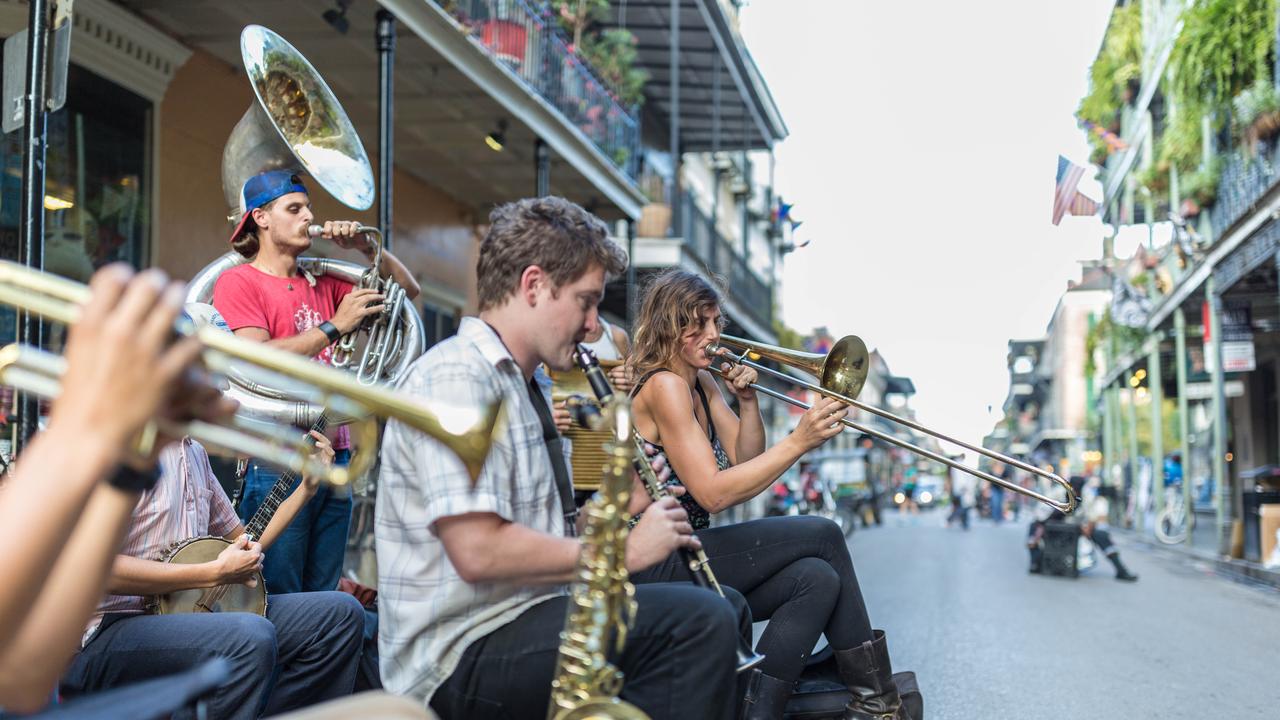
x=442, y=116
x=748, y=117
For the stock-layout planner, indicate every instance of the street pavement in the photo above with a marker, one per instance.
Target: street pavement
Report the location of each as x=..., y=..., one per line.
x=988, y=640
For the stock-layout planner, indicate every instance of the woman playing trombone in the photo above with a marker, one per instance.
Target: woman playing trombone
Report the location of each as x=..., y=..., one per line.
x=796, y=570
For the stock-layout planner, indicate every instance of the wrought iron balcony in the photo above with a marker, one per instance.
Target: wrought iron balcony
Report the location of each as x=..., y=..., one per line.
x=1244, y=181
x=526, y=40
x=702, y=240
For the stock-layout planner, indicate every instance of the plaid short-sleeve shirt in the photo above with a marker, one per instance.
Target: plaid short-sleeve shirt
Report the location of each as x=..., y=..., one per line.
x=428, y=614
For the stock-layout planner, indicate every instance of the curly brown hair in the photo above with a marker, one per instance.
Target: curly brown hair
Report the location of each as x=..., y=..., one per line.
x=553, y=233
x=673, y=302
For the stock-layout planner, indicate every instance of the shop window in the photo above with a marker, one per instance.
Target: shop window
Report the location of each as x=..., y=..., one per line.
x=438, y=323
x=97, y=191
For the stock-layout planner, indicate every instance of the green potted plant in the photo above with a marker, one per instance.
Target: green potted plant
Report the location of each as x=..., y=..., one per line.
x=1155, y=178
x=1099, y=154
x=1116, y=73
x=1200, y=188
x=1224, y=48
x=1257, y=112
x=610, y=52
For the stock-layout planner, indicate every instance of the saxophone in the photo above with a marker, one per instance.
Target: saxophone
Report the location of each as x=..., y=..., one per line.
x=602, y=603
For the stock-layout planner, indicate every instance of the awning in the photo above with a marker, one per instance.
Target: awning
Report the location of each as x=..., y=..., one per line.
x=714, y=62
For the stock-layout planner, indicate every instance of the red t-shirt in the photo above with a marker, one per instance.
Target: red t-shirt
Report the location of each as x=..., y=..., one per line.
x=247, y=297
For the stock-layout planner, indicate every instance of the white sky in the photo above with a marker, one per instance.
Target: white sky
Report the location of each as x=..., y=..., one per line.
x=924, y=140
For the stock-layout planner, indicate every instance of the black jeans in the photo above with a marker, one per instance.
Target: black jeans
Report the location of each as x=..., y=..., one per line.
x=678, y=659
x=795, y=571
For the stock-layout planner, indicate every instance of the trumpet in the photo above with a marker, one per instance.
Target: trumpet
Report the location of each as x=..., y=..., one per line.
x=467, y=431
x=843, y=371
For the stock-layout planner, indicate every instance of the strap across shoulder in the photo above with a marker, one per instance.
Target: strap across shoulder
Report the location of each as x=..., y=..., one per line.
x=645, y=378
x=706, y=409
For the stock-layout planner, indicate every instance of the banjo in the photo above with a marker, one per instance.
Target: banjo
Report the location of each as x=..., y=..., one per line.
x=224, y=598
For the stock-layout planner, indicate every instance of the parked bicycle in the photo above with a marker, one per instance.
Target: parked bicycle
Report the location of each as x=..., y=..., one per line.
x=1174, y=522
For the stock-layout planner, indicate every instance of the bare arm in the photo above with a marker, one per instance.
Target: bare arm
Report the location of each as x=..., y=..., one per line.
x=238, y=563
x=392, y=267
x=743, y=438
x=32, y=662
x=39, y=537
x=485, y=548
x=664, y=408
x=288, y=509
x=346, y=234
x=308, y=343
x=135, y=576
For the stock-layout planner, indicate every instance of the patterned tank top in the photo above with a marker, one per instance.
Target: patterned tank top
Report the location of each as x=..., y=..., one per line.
x=699, y=518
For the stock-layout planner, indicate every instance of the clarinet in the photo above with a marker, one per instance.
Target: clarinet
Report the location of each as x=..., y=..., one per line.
x=586, y=414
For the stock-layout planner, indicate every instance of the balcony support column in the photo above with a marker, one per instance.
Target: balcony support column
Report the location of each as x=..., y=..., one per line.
x=1108, y=447
x=35, y=140
x=631, y=276
x=674, y=128
x=1184, y=435
x=1221, y=478
x=541, y=168
x=1131, y=419
x=716, y=173
x=385, y=36
x=1155, y=384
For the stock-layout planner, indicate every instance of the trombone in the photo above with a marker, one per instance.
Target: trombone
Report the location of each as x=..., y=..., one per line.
x=467, y=431
x=842, y=372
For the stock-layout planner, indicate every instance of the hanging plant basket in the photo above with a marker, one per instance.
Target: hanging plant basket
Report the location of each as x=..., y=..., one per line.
x=1264, y=127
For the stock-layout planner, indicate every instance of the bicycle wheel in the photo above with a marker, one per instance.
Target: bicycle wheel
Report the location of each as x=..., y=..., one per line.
x=1171, y=528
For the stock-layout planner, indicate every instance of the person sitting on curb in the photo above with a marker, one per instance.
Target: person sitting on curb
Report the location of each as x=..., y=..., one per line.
x=1093, y=510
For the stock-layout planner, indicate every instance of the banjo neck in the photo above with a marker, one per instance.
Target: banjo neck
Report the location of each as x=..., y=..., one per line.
x=279, y=493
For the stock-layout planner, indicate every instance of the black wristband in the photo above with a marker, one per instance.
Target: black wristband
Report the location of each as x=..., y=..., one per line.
x=132, y=480
x=331, y=331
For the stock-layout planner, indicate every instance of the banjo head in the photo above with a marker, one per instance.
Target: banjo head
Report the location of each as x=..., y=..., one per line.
x=228, y=598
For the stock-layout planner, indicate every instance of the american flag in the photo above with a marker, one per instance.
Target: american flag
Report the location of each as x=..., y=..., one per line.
x=1065, y=196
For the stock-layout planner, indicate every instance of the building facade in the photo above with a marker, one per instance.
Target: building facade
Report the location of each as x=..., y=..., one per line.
x=1192, y=373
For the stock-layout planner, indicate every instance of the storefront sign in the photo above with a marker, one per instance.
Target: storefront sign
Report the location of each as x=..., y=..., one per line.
x=1204, y=390
x=1238, y=357
x=1237, y=337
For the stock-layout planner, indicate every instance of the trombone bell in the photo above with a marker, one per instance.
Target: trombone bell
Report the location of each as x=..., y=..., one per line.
x=843, y=369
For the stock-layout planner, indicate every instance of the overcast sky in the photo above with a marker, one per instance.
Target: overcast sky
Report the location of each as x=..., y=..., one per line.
x=924, y=141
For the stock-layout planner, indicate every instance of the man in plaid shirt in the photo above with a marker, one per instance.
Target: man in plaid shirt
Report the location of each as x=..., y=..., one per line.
x=472, y=582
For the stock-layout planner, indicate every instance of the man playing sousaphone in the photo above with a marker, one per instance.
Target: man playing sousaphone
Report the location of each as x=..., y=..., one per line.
x=270, y=299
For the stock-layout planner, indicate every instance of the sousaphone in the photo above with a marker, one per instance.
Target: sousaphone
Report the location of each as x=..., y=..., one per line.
x=296, y=123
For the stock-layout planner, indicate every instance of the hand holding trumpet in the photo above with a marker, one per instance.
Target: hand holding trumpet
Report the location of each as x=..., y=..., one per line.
x=124, y=368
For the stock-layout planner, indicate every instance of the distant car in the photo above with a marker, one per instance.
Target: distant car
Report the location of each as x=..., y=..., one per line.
x=929, y=490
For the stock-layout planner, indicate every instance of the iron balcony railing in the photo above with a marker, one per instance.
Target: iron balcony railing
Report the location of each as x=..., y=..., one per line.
x=524, y=37
x=718, y=256
x=1243, y=183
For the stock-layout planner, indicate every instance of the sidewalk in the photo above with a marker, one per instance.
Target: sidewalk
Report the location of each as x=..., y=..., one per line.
x=1232, y=568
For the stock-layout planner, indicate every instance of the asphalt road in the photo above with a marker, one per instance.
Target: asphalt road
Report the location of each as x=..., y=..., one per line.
x=987, y=640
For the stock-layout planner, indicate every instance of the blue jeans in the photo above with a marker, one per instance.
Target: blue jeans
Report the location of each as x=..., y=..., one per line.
x=308, y=555
x=997, y=504
x=304, y=651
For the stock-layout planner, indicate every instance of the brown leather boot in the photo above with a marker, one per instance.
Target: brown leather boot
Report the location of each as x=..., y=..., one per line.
x=866, y=671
